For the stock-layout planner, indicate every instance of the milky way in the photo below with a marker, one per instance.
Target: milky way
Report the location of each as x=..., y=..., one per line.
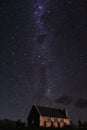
x=42, y=82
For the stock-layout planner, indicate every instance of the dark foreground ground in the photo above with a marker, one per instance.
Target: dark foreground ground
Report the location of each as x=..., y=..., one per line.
x=60, y=129
x=43, y=128
x=68, y=128
x=18, y=125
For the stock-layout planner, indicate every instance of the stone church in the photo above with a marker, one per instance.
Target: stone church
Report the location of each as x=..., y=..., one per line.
x=48, y=117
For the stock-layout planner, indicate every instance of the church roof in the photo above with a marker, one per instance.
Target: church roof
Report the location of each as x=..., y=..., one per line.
x=51, y=112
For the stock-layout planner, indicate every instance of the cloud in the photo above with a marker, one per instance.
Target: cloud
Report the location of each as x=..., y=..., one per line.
x=81, y=103
x=64, y=100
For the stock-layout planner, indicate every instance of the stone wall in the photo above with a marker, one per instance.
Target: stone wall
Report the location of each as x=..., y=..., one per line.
x=53, y=122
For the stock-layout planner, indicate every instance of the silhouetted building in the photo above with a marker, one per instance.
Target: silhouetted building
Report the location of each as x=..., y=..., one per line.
x=47, y=117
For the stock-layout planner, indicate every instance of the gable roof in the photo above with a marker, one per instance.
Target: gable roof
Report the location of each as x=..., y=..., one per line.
x=50, y=112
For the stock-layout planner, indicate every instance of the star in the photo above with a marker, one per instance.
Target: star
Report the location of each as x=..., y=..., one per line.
x=48, y=11
x=40, y=7
x=39, y=56
x=43, y=63
x=36, y=12
x=13, y=53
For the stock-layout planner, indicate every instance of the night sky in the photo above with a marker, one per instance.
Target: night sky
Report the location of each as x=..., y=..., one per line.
x=43, y=57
